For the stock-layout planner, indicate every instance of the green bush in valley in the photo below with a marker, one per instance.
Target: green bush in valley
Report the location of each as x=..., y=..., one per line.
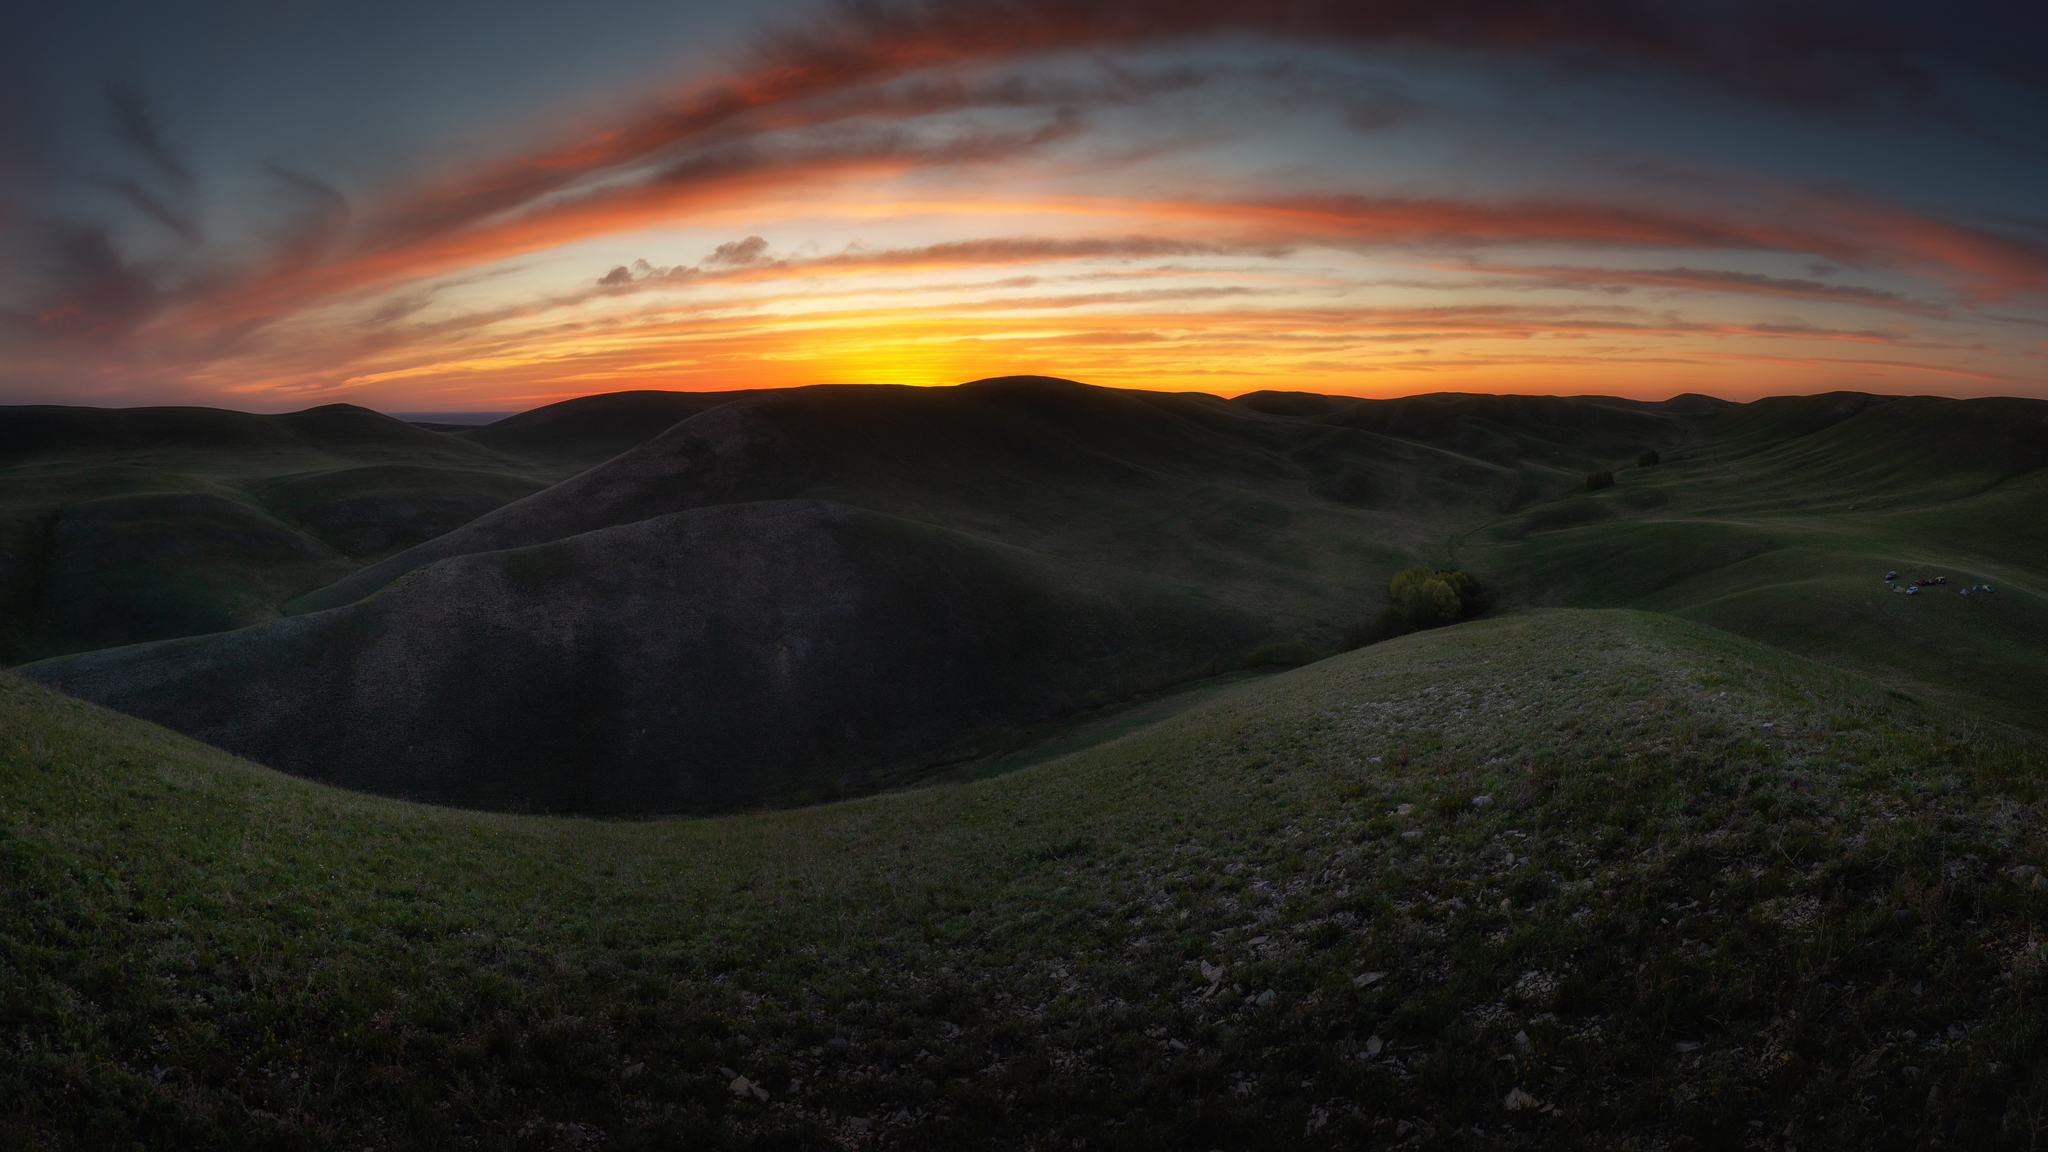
x=1421, y=597
x=1424, y=597
x=1598, y=480
x=1646, y=458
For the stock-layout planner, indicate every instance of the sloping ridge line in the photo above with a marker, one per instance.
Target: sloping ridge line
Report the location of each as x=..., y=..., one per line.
x=723, y=455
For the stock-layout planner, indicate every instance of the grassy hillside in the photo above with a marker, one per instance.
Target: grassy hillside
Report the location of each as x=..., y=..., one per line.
x=1104, y=543
x=1665, y=882
x=125, y=525
x=1297, y=520
x=1779, y=520
x=576, y=434
x=708, y=660
x=372, y=511
x=1262, y=528
x=1506, y=451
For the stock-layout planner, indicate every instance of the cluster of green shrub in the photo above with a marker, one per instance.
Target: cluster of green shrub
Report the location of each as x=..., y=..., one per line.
x=1421, y=597
x=1604, y=478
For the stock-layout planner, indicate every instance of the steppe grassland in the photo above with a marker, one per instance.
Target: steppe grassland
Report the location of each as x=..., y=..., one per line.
x=118, y=526
x=1805, y=882
x=1794, y=556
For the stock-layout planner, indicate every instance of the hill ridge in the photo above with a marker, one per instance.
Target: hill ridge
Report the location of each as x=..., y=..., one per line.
x=726, y=678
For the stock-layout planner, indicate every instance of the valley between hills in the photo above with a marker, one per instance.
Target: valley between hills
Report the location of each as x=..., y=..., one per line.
x=998, y=766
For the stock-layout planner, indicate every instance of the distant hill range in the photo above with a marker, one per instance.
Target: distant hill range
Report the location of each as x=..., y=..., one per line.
x=680, y=602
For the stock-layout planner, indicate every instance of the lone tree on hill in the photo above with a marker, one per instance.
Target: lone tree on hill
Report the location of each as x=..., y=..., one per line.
x=1646, y=458
x=1421, y=597
x=1595, y=481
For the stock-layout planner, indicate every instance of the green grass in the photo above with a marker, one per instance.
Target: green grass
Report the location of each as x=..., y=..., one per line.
x=1178, y=535
x=1089, y=729
x=1778, y=525
x=1299, y=520
x=127, y=525
x=370, y=512
x=1687, y=839
x=1764, y=882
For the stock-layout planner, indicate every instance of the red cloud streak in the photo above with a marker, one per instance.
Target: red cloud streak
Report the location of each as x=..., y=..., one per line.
x=755, y=134
x=800, y=79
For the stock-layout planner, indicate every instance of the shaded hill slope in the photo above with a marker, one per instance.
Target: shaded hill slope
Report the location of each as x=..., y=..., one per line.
x=347, y=487
x=1545, y=443
x=575, y=434
x=1269, y=523
x=374, y=510
x=1293, y=517
x=1113, y=542
x=1713, y=887
x=707, y=660
x=39, y=432
x=1903, y=452
x=1776, y=419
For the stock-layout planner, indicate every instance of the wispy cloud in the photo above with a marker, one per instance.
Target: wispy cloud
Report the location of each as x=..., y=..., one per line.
x=1682, y=279
x=950, y=95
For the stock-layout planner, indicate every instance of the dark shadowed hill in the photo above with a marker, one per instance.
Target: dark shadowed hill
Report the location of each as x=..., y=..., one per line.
x=704, y=660
x=1918, y=449
x=575, y=434
x=1528, y=447
x=382, y=508
x=1272, y=513
x=1588, y=424
x=1776, y=419
x=51, y=431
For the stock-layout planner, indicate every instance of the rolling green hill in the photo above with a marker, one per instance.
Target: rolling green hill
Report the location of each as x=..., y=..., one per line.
x=1187, y=488
x=1702, y=838
x=1164, y=538
x=1583, y=879
x=1503, y=452
x=1101, y=544
x=676, y=664
x=576, y=434
x=125, y=525
x=1779, y=520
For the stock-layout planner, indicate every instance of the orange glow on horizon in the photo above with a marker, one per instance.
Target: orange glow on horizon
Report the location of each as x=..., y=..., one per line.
x=1225, y=356
x=794, y=222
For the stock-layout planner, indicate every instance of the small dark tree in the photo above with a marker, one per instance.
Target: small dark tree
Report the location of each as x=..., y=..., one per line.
x=1595, y=481
x=1646, y=458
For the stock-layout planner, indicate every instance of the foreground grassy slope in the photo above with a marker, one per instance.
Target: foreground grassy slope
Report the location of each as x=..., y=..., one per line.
x=1711, y=891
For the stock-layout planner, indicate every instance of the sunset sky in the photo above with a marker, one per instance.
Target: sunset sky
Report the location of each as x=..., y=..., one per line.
x=460, y=205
